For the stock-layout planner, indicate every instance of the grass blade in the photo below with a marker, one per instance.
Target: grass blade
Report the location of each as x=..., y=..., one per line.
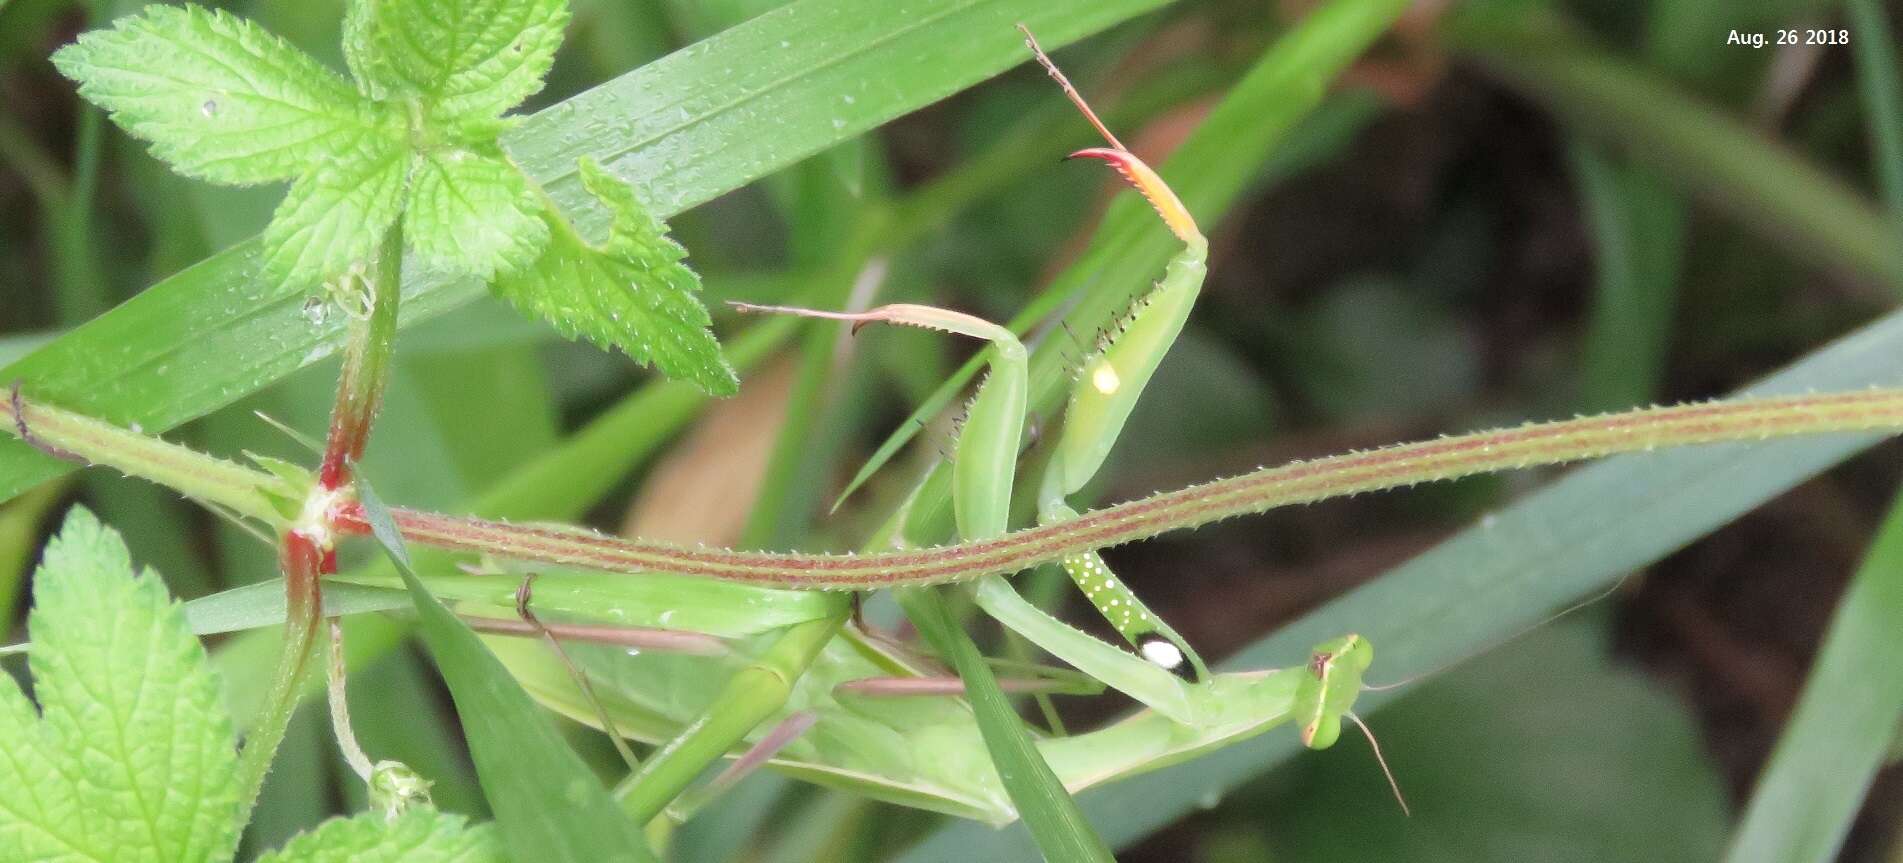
x=685, y=129
x=1059, y=828
x=549, y=804
x=1875, y=50
x=1840, y=733
x=1575, y=537
x=1638, y=230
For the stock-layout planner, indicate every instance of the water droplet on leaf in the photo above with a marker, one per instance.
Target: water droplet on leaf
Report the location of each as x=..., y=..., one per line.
x=316, y=311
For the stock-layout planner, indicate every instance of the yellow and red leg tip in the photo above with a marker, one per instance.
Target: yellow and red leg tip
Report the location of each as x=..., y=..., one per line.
x=1150, y=185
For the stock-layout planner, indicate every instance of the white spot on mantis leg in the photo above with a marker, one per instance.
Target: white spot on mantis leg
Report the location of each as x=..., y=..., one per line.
x=1161, y=653
x=1105, y=379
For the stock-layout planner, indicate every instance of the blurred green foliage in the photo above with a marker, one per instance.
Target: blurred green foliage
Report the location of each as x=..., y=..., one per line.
x=1522, y=209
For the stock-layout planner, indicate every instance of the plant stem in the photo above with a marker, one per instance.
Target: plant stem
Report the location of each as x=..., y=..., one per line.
x=749, y=698
x=306, y=551
x=1875, y=410
x=366, y=366
x=337, y=679
x=300, y=559
x=205, y=478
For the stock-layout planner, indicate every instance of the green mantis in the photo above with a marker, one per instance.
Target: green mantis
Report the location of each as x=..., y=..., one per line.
x=915, y=744
x=866, y=735
x=919, y=744
x=1109, y=382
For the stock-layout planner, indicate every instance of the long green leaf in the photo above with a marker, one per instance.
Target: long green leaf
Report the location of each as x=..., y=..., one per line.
x=696, y=124
x=1506, y=573
x=1059, y=828
x=1638, y=230
x=1841, y=730
x=1882, y=87
x=549, y=804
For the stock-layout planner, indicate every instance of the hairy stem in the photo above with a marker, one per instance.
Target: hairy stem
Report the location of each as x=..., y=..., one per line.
x=306, y=550
x=300, y=559
x=204, y=478
x=236, y=488
x=1876, y=410
x=366, y=366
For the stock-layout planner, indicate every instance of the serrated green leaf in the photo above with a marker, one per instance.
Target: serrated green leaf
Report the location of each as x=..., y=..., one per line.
x=632, y=292
x=133, y=759
x=474, y=212
x=464, y=58
x=335, y=215
x=417, y=836
x=218, y=97
x=357, y=49
x=37, y=802
x=682, y=130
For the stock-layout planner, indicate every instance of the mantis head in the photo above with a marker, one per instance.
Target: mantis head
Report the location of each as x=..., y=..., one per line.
x=1330, y=682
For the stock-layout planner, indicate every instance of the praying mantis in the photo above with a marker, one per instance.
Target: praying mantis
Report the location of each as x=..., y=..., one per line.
x=876, y=717
x=882, y=721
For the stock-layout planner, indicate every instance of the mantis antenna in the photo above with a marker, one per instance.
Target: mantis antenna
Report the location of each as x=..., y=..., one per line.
x=1076, y=98
x=523, y=595
x=1590, y=600
x=1381, y=760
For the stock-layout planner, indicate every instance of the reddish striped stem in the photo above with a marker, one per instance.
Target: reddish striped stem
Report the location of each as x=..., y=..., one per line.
x=1877, y=410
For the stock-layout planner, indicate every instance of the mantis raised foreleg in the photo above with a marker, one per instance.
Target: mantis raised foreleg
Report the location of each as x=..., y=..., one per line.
x=984, y=461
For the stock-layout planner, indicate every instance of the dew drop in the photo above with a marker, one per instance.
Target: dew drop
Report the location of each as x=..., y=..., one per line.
x=839, y=123
x=210, y=108
x=316, y=311
x=1210, y=799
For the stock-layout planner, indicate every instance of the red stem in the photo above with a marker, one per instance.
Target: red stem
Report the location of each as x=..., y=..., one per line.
x=366, y=368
